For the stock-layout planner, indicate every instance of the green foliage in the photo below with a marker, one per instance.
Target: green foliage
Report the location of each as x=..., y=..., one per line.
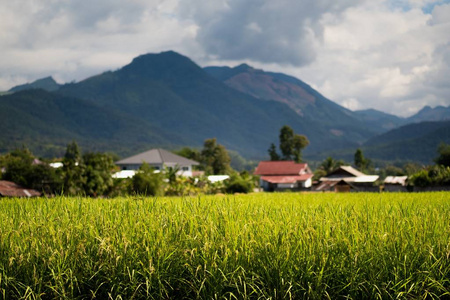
x=362, y=163
x=274, y=156
x=299, y=142
x=411, y=168
x=22, y=168
x=359, y=159
x=432, y=176
x=444, y=155
x=326, y=167
x=391, y=170
x=258, y=246
x=46, y=179
x=239, y=183
x=239, y=163
x=97, y=173
x=18, y=165
x=147, y=182
x=291, y=145
x=421, y=179
x=215, y=158
x=72, y=171
x=286, y=146
x=190, y=153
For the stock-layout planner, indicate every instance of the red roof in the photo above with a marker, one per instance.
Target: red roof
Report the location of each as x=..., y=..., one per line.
x=281, y=168
x=286, y=179
x=10, y=189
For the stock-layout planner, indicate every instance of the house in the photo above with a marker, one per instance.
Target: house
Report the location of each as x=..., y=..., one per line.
x=11, y=189
x=282, y=175
x=340, y=186
x=395, y=183
x=355, y=179
x=158, y=159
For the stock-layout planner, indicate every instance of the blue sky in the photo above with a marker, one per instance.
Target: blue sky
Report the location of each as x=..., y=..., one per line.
x=429, y=7
x=393, y=56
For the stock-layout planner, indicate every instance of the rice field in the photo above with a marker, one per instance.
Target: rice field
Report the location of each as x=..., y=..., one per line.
x=258, y=246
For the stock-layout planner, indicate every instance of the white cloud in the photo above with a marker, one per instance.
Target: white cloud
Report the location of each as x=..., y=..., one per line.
x=72, y=40
x=284, y=32
x=392, y=55
x=383, y=59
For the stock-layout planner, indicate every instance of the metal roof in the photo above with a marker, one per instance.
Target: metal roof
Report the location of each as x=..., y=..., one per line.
x=281, y=168
x=347, y=169
x=157, y=156
x=349, y=174
x=11, y=189
x=401, y=180
x=286, y=179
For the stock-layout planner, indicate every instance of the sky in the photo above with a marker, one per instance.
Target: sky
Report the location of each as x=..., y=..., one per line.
x=393, y=55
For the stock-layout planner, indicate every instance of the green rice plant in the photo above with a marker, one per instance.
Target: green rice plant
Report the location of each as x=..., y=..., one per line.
x=256, y=246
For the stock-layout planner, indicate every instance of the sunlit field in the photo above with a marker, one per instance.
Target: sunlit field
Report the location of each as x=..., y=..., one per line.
x=280, y=246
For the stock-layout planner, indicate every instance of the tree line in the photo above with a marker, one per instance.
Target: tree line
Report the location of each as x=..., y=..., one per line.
x=90, y=174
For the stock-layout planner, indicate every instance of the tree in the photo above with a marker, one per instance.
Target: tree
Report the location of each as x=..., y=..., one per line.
x=44, y=178
x=327, y=166
x=190, y=153
x=97, y=179
x=299, y=143
x=291, y=145
x=22, y=168
x=444, y=155
x=215, y=158
x=286, y=142
x=18, y=165
x=147, y=182
x=72, y=170
x=360, y=161
x=437, y=175
x=239, y=183
x=273, y=152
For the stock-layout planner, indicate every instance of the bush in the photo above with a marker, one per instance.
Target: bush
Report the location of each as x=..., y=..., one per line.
x=147, y=182
x=433, y=176
x=237, y=184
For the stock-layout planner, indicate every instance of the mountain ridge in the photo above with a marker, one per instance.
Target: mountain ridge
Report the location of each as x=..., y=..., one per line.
x=167, y=99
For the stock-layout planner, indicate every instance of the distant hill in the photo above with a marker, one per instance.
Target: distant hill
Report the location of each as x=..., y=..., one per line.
x=310, y=105
x=418, y=142
x=166, y=100
x=380, y=120
x=172, y=92
x=47, y=84
x=47, y=122
x=439, y=113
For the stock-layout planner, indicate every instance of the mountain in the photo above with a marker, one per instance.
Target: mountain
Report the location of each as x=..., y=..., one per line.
x=439, y=113
x=172, y=92
x=418, y=142
x=46, y=122
x=47, y=83
x=379, y=120
x=310, y=105
x=166, y=100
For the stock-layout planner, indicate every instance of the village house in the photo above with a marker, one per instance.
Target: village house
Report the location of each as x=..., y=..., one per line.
x=395, y=183
x=284, y=175
x=158, y=159
x=11, y=189
x=346, y=179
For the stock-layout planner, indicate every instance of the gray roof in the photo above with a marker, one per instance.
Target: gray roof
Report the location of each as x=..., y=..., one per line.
x=157, y=156
x=349, y=169
x=349, y=174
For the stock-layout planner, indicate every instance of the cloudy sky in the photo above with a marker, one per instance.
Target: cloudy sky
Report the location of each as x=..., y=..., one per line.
x=391, y=55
